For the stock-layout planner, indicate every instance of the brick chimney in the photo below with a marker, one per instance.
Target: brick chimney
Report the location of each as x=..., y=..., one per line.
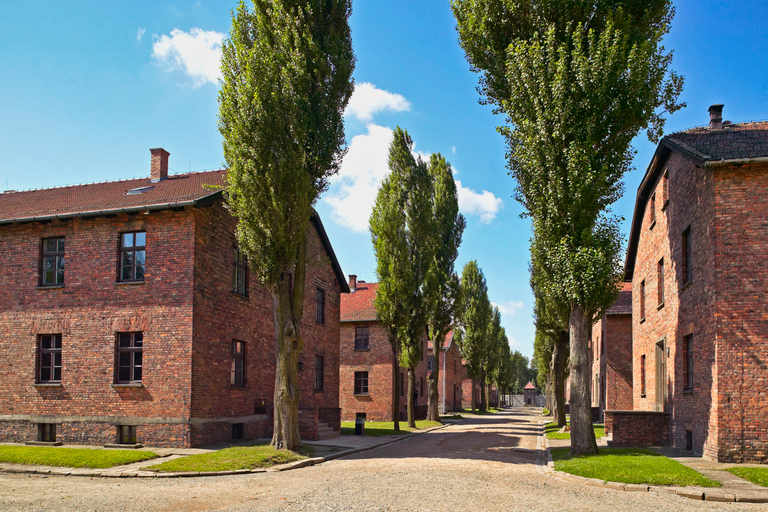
x=716, y=117
x=352, y=282
x=159, y=169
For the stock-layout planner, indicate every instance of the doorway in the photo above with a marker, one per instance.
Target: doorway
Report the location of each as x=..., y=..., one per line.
x=661, y=376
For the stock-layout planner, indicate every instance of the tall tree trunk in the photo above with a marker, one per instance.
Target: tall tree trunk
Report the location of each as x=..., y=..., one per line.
x=582, y=434
x=433, y=406
x=482, y=406
x=288, y=308
x=411, y=398
x=395, y=385
x=558, y=357
x=551, y=387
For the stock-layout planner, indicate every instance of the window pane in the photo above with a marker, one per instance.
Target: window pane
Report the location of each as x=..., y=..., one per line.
x=141, y=239
x=140, y=257
x=138, y=339
x=59, y=277
x=125, y=339
x=124, y=374
x=57, y=359
x=137, y=358
x=45, y=374
x=124, y=359
x=49, y=245
x=127, y=239
x=57, y=374
x=127, y=258
x=57, y=341
x=48, y=263
x=139, y=272
x=60, y=245
x=45, y=341
x=137, y=373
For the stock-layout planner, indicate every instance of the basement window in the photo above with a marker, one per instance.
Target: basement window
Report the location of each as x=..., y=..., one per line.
x=46, y=432
x=126, y=434
x=238, y=431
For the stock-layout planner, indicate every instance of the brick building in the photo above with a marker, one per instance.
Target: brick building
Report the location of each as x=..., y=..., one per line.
x=152, y=332
x=366, y=370
x=611, y=355
x=699, y=272
x=470, y=385
x=449, y=377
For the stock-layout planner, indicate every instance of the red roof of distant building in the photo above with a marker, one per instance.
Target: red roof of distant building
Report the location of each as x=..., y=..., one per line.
x=446, y=343
x=529, y=385
x=357, y=306
x=623, y=304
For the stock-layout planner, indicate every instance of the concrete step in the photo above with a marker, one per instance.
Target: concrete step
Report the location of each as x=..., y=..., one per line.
x=322, y=435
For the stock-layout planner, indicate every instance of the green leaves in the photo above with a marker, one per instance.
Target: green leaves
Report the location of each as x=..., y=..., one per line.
x=474, y=318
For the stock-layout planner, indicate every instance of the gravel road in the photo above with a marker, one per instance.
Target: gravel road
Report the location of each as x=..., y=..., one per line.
x=487, y=463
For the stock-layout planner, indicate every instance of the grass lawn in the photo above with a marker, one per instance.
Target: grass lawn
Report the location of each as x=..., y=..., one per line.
x=545, y=412
x=551, y=429
x=230, y=459
x=385, y=428
x=71, y=457
x=490, y=410
x=757, y=476
x=631, y=466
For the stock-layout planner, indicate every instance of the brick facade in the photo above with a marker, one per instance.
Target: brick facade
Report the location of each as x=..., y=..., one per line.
x=719, y=311
x=637, y=428
x=188, y=315
x=449, y=384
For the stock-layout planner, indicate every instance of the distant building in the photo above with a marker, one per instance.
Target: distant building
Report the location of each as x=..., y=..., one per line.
x=366, y=370
x=449, y=375
x=529, y=394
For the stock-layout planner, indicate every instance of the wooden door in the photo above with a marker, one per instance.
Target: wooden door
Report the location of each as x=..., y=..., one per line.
x=661, y=377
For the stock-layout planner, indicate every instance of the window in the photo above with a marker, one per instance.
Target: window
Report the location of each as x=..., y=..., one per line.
x=361, y=338
x=46, y=432
x=665, y=189
x=661, y=281
x=126, y=434
x=431, y=363
x=320, y=306
x=319, y=373
x=132, y=254
x=361, y=383
x=238, y=431
x=688, y=362
x=237, y=372
x=52, y=262
x=129, y=364
x=642, y=300
x=240, y=279
x=49, y=358
x=653, y=209
x=642, y=375
x=687, y=263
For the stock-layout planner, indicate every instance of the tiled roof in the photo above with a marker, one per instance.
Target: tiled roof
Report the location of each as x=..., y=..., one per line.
x=446, y=343
x=529, y=385
x=113, y=196
x=733, y=141
x=357, y=305
x=623, y=304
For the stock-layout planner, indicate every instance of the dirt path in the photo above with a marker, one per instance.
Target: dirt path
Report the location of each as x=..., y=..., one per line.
x=487, y=463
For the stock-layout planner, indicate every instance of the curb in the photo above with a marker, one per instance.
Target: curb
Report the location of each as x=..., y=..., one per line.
x=143, y=473
x=690, y=493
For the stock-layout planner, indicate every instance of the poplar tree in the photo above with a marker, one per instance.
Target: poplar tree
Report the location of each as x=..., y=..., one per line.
x=286, y=79
x=577, y=81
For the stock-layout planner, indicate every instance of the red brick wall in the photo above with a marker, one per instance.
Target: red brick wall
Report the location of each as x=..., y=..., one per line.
x=377, y=361
x=638, y=428
x=449, y=385
x=612, y=360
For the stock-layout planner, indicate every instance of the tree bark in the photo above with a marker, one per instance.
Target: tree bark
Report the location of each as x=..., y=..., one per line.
x=288, y=308
x=558, y=357
x=582, y=433
x=433, y=407
x=411, y=399
x=551, y=387
x=395, y=386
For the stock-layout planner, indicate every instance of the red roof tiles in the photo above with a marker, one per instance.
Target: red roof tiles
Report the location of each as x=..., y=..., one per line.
x=357, y=306
x=623, y=304
x=529, y=385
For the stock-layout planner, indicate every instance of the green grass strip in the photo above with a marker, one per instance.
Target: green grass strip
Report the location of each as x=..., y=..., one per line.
x=630, y=466
x=71, y=457
x=230, y=459
x=385, y=428
x=551, y=429
x=757, y=476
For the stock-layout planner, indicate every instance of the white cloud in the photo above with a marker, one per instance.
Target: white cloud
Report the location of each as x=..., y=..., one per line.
x=140, y=34
x=368, y=100
x=485, y=204
x=197, y=53
x=453, y=149
x=509, y=307
x=513, y=344
x=361, y=172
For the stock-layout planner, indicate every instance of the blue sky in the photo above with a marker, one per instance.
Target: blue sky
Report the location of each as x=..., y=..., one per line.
x=88, y=87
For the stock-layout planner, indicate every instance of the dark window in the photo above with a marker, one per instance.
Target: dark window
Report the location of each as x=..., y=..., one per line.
x=431, y=363
x=237, y=371
x=126, y=434
x=320, y=306
x=49, y=358
x=687, y=263
x=421, y=386
x=665, y=189
x=52, y=262
x=661, y=281
x=129, y=360
x=319, y=373
x=361, y=338
x=642, y=299
x=46, y=432
x=642, y=375
x=240, y=279
x=689, y=440
x=653, y=209
x=132, y=255
x=688, y=362
x=361, y=383
x=238, y=431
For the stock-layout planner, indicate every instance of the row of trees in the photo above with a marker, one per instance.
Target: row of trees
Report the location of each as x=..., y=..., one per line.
x=577, y=80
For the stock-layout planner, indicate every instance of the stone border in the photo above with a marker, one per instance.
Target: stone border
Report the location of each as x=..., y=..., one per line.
x=686, y=492
x=116, y=472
